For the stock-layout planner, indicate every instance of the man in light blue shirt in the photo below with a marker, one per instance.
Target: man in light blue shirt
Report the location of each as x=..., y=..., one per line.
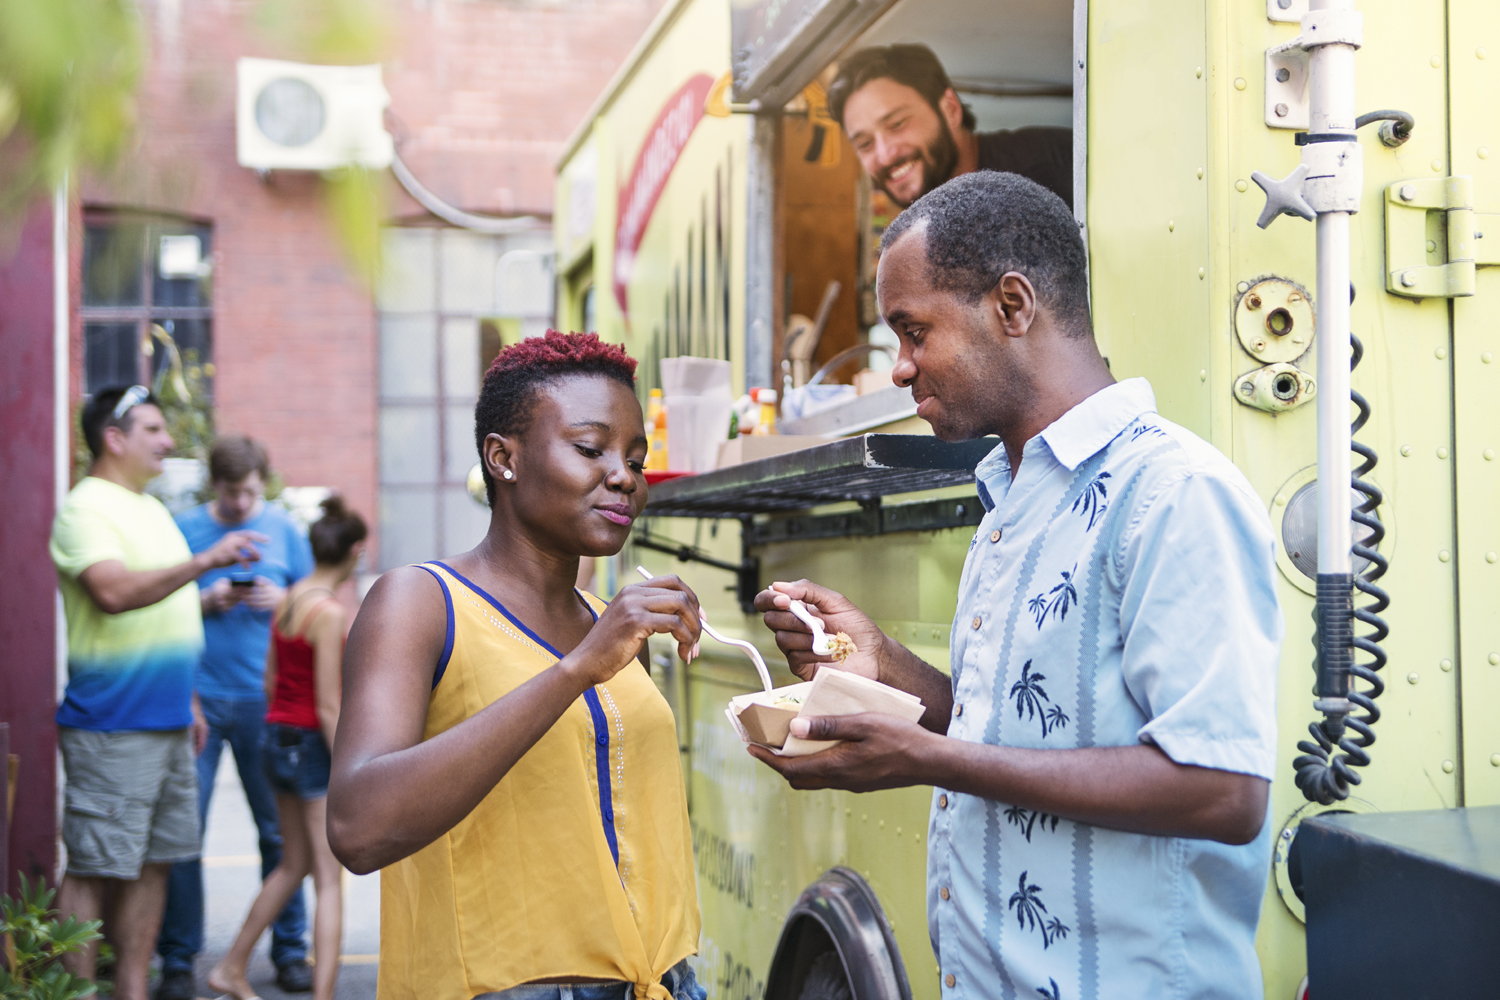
x=1101, y=755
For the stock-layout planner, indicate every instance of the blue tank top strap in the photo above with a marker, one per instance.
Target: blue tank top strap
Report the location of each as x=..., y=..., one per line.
x=442, y=664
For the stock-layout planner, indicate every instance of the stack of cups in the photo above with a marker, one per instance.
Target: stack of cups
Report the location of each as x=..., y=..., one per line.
x=698, y=400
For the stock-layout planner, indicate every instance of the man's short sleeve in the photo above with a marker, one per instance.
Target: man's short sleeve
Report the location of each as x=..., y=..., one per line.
x=1201, y=624
x=82, y=537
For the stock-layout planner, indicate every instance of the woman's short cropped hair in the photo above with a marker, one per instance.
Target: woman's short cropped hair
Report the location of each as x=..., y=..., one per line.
x=336, y=532
x=505, y=398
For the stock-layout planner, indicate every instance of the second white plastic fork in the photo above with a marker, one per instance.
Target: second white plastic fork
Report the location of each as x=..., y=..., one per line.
x=760, y=664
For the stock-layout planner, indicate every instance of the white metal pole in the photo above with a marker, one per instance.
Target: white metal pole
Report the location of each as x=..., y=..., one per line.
x=61, y=328
x=1334, y=461
x=1332, y=109
x=62, y=425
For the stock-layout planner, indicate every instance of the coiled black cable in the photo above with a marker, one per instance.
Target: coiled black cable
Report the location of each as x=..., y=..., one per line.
x=1324, y=776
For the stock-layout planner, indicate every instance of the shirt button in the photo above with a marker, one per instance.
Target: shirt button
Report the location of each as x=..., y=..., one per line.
x=942, y=802
x=958, y=709
x=995, y=535
x=603, y=741
x=949, y=981
x=943, y=892
x=978, y=622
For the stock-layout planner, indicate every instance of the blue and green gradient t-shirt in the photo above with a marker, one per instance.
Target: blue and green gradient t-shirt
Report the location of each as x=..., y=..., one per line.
x=134, y=670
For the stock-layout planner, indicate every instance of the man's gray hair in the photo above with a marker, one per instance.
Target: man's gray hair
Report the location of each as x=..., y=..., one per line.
x=982, y=225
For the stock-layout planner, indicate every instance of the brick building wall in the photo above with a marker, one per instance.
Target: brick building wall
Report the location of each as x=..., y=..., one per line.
x=483, y=94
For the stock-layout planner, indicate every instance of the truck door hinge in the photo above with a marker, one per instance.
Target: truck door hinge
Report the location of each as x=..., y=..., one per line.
x=1434, y=239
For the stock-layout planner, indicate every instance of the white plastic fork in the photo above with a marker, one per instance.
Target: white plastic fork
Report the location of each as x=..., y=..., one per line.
x=760, y=664
x=821, y=645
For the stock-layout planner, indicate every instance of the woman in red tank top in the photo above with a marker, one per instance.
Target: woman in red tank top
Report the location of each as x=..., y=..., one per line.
x=303, y=690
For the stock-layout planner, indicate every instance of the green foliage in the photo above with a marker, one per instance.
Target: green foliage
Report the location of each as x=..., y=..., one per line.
x=38, y=942
x=82, y=457
x=356, y=204
x=340, y=32
x=68, y=76
x=329, y=31
x=68, y=70
x=182, y=387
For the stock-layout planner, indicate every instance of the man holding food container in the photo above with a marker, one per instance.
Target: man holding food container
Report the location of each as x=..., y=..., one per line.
x=1102, y=751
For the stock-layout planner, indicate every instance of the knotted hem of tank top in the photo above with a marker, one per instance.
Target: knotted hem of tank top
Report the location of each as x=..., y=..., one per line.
x=653, y=990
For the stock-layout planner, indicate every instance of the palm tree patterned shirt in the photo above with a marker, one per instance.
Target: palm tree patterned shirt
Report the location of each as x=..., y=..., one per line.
x=1121, y=590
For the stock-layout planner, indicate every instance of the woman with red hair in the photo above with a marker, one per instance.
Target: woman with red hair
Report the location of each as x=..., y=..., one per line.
x=502, y=753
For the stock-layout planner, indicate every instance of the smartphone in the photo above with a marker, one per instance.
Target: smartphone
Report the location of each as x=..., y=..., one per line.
x=245, y=582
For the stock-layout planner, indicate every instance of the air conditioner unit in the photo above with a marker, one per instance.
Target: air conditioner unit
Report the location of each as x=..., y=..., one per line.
x=293, y=116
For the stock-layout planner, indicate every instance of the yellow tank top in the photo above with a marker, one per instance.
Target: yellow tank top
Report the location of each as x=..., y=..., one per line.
x=579, y=863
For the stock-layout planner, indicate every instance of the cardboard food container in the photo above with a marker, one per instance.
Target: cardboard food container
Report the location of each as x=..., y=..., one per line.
x=765, y=717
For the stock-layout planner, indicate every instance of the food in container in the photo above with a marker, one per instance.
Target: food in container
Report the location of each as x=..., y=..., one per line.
x=765, y=717
x=841, y=646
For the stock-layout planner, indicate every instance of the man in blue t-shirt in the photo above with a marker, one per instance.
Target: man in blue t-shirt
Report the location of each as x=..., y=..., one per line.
x=230, y=683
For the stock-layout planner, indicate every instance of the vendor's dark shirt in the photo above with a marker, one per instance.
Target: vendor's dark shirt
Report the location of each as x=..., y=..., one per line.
x=1045, y=155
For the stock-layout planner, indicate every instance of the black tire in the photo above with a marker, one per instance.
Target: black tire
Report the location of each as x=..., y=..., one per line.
x=837, y=945
x=826, y=980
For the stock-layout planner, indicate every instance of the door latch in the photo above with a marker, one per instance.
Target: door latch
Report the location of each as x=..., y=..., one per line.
x=1275, y=388
x=1434, y=239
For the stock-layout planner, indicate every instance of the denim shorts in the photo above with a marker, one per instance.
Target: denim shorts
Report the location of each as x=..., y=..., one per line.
x=679, y=981
x=296, y=761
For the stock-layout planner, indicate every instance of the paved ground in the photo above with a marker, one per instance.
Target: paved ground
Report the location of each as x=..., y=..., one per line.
x=231, y=878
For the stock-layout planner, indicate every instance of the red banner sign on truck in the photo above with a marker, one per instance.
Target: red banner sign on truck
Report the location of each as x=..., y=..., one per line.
x=648, y=178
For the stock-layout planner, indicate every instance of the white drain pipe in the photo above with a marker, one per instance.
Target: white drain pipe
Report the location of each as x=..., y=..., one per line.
x=62, y=423
x=1326, y=186
x=1333, y=191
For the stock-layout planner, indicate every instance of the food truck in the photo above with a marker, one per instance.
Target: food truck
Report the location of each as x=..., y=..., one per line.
x=709, y=207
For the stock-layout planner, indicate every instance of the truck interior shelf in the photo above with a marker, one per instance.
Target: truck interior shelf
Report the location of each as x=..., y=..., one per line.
x=863, y=469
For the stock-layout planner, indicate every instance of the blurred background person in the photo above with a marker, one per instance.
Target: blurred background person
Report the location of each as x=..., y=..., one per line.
x=303, y=686
x=912, y=133
x=230, y=685
x=128, y=725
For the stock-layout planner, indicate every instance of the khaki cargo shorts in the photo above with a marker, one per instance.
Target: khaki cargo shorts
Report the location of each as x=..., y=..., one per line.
x=130, y=799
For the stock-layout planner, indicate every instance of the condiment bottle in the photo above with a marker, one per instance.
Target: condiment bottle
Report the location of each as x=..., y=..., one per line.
x=656, y=429
x=767, y=400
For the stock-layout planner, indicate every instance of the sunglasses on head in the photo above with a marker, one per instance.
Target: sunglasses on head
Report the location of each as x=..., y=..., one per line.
x=135, y=394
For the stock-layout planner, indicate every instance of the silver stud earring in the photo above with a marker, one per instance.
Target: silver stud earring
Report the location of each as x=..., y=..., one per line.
x=508, y=474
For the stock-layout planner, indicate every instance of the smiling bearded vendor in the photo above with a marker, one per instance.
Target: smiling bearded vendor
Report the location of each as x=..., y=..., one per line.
x=1102, y=753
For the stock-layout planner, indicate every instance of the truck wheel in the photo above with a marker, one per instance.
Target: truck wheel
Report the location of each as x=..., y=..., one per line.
x=825, y=979
x=837, y=945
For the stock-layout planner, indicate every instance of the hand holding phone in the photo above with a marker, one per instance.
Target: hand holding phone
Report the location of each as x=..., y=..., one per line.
x=220, y=596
